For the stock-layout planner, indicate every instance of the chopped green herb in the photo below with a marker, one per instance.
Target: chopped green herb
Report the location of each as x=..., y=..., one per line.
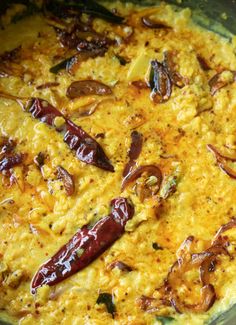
x=156, y=246
x=165, y=319
x=169, y=187
x=151, y=181
x=107, y=299
x=61, y=65
x=170, y=183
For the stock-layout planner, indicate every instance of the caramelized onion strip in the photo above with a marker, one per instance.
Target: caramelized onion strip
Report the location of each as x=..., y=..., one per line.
x=221, y=161
x=148, y=22
x=231, y=224
x=67, y=180
x=218, y=154
x=134, y=151
x=87, y=87
x=135, y=174
x=174, y=280
x=216, y=83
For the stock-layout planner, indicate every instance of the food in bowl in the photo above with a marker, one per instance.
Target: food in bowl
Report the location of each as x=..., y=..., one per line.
x=117, y=164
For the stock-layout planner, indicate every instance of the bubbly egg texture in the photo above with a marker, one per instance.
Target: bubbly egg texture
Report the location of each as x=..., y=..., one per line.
x=117, y=166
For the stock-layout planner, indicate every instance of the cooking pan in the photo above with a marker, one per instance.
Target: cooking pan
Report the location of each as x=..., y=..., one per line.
x=218, y=16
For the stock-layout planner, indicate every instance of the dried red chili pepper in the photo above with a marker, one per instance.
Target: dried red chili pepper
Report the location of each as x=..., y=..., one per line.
x=43, y=111
x=85, y=246
x=87, y=149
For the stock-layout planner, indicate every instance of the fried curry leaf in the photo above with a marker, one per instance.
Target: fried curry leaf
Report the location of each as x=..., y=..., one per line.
x=30, y=8
x=4, y=5
x=151, y=78
x=107, y=299
x=156, y=246
x=90, y=7
x=2, y=322
x=121, y=59
x=227, y=317
x=164, y=320
x=61, y=65
x=207, y=14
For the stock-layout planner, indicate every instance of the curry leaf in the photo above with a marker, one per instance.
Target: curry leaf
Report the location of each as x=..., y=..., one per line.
x=107, y=299
x=61, y=65
x=90, y=7
x=2, y=322
x=151, y=78
x=207, y=14
x=121, y=59
x=156, y=246
x=30, y=9
x=165, y=319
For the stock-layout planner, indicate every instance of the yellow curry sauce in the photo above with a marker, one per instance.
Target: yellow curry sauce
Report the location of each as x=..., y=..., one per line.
x=197, y=194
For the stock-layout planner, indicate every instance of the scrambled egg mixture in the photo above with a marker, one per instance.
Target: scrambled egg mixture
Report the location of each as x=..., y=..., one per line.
x=185, y=113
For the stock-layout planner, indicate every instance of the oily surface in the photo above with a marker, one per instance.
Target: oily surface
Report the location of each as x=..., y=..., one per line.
x=36, y=215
